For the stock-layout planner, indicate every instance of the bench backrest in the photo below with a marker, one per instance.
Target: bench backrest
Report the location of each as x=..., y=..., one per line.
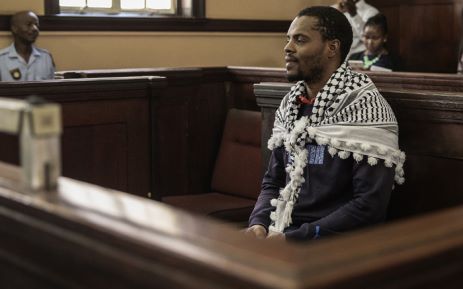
x=238, y=166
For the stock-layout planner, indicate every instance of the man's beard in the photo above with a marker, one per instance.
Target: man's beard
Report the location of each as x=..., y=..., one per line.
x=26, y=40
x=313, y=75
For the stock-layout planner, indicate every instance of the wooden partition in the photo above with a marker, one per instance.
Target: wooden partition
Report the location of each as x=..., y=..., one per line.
x=84, y=236
x=240, y=79
x=411, y=80
x=424, y=33
x=431, y=131
x=106, y=136
x=188, y=120
x=188, y=116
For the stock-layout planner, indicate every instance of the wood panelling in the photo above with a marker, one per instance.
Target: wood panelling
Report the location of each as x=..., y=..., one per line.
x=413, y=80
x=188, y=118
x=424, y=33
x=106, y=137
x=430, y=129
x=187, y=126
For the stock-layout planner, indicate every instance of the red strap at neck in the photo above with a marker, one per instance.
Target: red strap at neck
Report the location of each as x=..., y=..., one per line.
x=306, y=100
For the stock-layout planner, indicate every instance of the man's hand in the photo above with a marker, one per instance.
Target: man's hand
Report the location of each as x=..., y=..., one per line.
x=276, y=236
x=347, y=6
x=257, y=231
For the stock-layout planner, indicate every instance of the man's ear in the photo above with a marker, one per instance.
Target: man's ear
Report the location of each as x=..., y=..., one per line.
x=334, y=48
x=14, y=29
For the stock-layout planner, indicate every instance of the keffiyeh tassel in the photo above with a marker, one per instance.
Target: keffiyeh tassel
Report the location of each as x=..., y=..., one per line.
x=344, y=154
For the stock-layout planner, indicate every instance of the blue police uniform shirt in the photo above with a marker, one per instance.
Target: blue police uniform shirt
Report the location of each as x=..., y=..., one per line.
x=14, y=68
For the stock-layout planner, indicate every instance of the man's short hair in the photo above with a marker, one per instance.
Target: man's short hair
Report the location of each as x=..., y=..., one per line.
x=332, y=24
x=15, y=17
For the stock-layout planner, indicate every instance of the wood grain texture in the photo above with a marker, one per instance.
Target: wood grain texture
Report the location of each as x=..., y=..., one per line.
x=424, y=33
x=67, y=239
x=106, y=133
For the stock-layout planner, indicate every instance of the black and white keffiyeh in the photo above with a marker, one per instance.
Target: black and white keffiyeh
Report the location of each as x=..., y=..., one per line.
x=349, y=116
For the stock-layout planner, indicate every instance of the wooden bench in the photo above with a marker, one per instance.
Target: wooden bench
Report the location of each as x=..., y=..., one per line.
x=430, y=133
x=237, y=175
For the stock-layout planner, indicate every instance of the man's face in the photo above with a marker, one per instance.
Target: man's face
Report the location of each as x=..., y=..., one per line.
x=26, y=27
x=305, y=50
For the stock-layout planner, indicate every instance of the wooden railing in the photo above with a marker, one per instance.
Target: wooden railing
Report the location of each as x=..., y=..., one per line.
x=84, y=236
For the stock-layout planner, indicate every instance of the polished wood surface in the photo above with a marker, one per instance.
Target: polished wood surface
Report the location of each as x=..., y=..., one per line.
x=241, y=78
x=237, y=80
x=412, y=80
x=85, y=236
x=430, y=129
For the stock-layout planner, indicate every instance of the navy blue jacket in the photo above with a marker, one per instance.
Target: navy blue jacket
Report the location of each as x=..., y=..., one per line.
x=338, y=195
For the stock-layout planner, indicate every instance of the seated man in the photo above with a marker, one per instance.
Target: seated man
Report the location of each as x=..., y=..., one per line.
x=334, y=143
x=22, y=60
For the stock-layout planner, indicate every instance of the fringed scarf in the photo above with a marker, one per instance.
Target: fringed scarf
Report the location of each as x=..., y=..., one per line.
x=349, y=116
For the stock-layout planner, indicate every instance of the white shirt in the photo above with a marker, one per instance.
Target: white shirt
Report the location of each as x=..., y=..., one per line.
x=364, y=12
x=14, y=68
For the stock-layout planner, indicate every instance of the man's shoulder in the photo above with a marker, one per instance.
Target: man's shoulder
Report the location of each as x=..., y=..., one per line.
x=356, y=73
x=368, y=84
x=45, y=55
x=4, y=51
x=294, y=86
x=285, y=101
x=42, y=50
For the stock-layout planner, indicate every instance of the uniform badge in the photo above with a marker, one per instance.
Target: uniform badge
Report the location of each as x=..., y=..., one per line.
x=15, y=73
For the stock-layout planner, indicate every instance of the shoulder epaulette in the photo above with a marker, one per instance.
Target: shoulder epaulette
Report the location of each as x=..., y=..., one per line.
x=4, y=51
x=41, y=50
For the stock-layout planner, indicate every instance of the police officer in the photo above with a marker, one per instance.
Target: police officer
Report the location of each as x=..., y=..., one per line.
x=22, y=60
